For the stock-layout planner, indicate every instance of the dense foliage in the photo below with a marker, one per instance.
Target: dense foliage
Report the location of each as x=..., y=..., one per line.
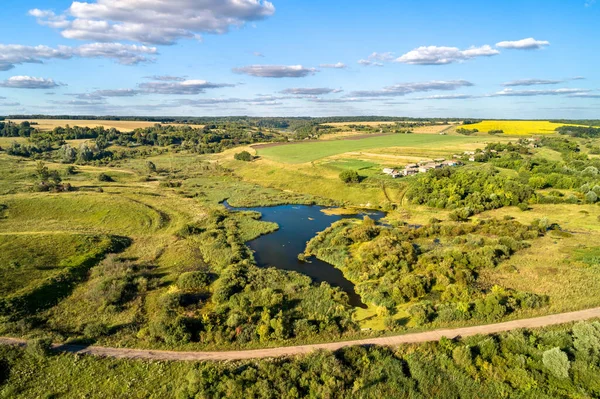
x=435, y=266
x=579, y=131
x=562, y=362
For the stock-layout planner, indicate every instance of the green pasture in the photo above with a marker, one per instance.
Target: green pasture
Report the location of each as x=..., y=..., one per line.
x=26, y=258
x=307, y=152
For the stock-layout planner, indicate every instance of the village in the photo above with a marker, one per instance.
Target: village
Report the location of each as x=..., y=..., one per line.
x=421, y=167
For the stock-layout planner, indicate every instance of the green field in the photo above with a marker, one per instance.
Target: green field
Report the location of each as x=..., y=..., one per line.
x=307, y=152
x=28, y=258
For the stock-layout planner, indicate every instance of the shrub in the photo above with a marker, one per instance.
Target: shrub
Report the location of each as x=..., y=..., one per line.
x=39, y=347
x=193, y=281
x=349, y=176
x=244, y=156
x=461, y=214
x=557, y=362
x=591, y=197
x=105, y=178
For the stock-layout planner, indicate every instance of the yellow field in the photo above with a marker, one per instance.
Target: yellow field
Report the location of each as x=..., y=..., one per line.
x=516, y=127
x=432, y=129
x=126, y=126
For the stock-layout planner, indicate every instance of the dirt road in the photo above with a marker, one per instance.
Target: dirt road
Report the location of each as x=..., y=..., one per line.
x=122, y=353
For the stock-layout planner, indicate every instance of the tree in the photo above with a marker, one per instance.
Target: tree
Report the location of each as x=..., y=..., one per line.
x=67, y=154
x=349, y=176
x=42, y=171
x=557, y=362
x=244, y=156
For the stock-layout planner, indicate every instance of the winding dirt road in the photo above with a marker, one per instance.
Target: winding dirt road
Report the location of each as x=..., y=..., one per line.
x=123, y=353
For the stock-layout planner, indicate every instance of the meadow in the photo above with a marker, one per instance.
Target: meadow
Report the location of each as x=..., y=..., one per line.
x=517, y=127
x=184, y=278
x=307, y=152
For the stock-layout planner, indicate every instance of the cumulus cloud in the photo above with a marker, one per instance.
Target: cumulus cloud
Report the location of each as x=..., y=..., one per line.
x=529, y=93
x=412, y=87
x=339, y=65
x=152, y=21
x=317, y=91
x=15, y=54
x=28, y=82
x=276, y=71
x=523, y=44
x=180, y=87
x=434, y=55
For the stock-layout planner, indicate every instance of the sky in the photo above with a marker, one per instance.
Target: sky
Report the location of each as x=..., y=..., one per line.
x=432, y=58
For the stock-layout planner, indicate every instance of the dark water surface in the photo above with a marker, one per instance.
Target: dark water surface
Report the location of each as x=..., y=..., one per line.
x=297, y=225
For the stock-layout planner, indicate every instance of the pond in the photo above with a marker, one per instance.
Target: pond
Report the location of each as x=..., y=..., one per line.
x=297, y=225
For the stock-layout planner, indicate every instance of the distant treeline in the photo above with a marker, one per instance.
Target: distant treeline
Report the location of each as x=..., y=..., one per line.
x=579, y=131
x=588, y=122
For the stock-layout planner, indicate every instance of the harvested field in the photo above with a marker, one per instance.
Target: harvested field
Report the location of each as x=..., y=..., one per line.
x=49, y=124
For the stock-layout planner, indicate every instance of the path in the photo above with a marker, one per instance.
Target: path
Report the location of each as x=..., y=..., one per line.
x=124, y=353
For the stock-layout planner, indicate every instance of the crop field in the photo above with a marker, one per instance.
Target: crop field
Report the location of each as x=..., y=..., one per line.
x=340, y=124
x=307, y=152
x=517, y=127
x=126, y=126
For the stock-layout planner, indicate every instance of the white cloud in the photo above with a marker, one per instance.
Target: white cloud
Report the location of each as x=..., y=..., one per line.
x=532, y=82
x=584, y=95
x=434, y=55
x=413, y=87
x=589, y=3
x=166, y=78
x=13, y=104
x=383, y=57
x=524, y=44
x=310, y=91
x=152, y=21
x=339, y=65
x=28, y=82
x=447, y=97
x=529, y=93
x=184, y=87
x=102, y=94
x=15, y=54
x=258, y=54
x=370, y=63
x=276, y=71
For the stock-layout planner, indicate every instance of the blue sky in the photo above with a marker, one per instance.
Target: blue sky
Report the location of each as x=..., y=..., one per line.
x=509, y=59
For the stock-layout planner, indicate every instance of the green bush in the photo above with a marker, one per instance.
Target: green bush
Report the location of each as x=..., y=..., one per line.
x=105, y=178
x=349, y=176
x=193, y=281
x=244, y=156
x=39, y=347
x=557, y=362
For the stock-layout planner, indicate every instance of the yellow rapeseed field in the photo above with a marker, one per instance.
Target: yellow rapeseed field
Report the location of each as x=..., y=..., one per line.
x=517, y=127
